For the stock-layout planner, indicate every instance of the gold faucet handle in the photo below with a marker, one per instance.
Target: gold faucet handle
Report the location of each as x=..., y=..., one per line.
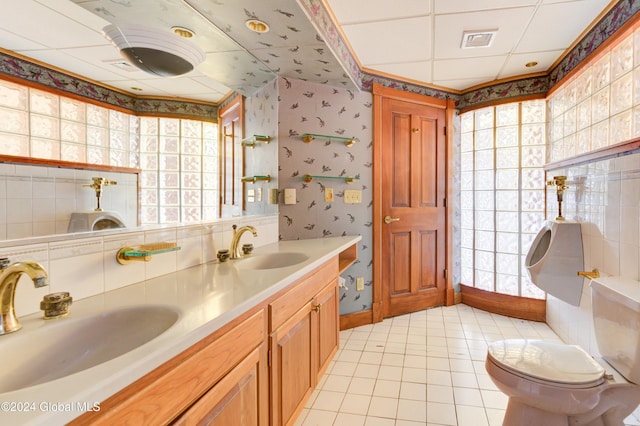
x=590, y=274
x=56, y=305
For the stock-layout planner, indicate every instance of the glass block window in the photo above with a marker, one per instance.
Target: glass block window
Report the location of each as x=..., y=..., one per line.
x=502, y=195
x=179, y=162
x=600, y=105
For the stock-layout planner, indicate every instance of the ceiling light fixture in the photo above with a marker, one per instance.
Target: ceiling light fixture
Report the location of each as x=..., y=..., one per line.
x=153, y=50
x=257, y=26
x=531, y=64
x=477, y=38
x=183, y=32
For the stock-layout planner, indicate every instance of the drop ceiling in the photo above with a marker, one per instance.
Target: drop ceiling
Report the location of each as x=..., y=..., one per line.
x=418, y=40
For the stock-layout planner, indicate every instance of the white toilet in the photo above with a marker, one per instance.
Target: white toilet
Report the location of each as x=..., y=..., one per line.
x=553, y=384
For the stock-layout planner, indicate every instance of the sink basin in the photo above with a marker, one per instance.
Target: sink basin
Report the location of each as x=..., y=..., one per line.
x=271, y=260
x=68, y=346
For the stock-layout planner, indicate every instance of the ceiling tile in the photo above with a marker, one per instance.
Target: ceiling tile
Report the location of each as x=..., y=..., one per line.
x=515, y=64
x=454, y=69
x=420, y=71
x=460, y=84
x=358, y=11
x=449, y=28
x=387, y=42
x=570, y=16
x=457, y=6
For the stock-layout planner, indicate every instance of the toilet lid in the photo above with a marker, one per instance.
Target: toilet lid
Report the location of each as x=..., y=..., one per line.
x=547, y=361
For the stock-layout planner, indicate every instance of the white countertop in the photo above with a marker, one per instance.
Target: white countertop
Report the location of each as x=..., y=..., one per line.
x=207, y=297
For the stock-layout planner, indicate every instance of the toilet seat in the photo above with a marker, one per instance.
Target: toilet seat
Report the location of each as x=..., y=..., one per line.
x=546, y=362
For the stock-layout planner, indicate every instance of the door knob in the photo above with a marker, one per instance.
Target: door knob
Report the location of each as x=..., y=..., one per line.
x=389, y=219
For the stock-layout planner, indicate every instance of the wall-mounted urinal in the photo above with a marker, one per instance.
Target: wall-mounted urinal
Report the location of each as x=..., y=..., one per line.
x=555, y=258
x=94, y=221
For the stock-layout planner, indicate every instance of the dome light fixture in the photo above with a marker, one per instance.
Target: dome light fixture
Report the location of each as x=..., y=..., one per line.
x=531, y=64
x=155, y=51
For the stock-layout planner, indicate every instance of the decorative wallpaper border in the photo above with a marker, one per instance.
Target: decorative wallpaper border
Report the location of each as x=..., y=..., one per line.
x=316, y=10
x=22, y=69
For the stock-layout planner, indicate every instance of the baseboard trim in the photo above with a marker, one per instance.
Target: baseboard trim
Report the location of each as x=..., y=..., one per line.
x=503, y=304
x=356, y=319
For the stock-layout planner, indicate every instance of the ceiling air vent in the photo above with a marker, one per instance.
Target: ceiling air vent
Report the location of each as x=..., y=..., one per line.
x=473, y=39
x=153, y=50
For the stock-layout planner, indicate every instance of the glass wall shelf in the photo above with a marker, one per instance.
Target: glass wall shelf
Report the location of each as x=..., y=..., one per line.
x=347, y=179
x=252, y=140
x=308, y=137
x=254, y=179
x=144, y=252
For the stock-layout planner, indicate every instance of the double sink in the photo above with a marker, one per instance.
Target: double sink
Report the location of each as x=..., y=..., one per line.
x=63, y=347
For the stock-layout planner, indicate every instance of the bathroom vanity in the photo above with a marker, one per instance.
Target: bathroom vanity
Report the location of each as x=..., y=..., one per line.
x=252, y=340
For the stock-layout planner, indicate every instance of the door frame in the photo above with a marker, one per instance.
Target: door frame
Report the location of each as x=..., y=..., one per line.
x=379, y=91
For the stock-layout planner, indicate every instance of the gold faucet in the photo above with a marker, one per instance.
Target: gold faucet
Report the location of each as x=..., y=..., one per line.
x=560, y=182
x=98, y=183
x=235, y=241
x=590, y=274
x=9, y=276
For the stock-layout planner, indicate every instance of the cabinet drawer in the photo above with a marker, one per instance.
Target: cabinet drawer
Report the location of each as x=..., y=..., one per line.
x=307, y=287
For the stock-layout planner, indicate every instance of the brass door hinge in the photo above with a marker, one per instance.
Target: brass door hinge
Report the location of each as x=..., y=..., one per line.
x=269, y=357
x=446, y=274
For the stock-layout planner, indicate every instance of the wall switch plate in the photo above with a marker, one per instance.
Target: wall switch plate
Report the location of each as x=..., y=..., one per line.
x=259, y=194
x=359, y=283
x=352, y=196
x=289, y=195
x=251, y=195
x=328, y=195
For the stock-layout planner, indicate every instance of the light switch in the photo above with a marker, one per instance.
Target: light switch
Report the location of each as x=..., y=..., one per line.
x=289, y=195
x=328, y=195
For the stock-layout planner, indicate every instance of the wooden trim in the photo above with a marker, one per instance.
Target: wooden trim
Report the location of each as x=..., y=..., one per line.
x=504, y=304
x=356, y=319
x=376, y=287
x=616, y=150
x=449, y=218
x=382, y=91
x=65, y=164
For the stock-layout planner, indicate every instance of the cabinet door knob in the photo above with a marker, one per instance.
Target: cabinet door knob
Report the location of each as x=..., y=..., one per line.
x=389, y=219
x=317, y=307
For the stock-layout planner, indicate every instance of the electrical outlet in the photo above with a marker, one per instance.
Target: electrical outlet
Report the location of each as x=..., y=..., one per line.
x=359, y=283
x=328, y=195
x=352, y=196
x=259, y=194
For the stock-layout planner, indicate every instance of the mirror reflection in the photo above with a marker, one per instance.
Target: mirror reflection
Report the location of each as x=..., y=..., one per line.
x=173, y=162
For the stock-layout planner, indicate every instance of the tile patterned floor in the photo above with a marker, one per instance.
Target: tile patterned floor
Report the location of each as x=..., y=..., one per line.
x=424, y=368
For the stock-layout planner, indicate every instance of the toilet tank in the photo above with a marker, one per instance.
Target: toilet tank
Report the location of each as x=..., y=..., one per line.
x=616, y=319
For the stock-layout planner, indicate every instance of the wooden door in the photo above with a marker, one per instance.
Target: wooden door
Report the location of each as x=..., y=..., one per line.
x=293, y=366
x=326, y=308
x=231, y=119
x=412, y=205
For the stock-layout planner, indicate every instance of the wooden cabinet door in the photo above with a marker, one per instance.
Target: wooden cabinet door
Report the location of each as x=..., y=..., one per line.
x=238, y=399
x=326, y=309
x=293, y=366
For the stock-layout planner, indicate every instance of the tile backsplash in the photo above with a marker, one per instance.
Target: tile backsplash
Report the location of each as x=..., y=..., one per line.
x=604, y=196
x=85, y=264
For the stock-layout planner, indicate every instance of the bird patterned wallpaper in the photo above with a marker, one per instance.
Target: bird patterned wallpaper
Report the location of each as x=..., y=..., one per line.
x=261, y=118
x=305, y=107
